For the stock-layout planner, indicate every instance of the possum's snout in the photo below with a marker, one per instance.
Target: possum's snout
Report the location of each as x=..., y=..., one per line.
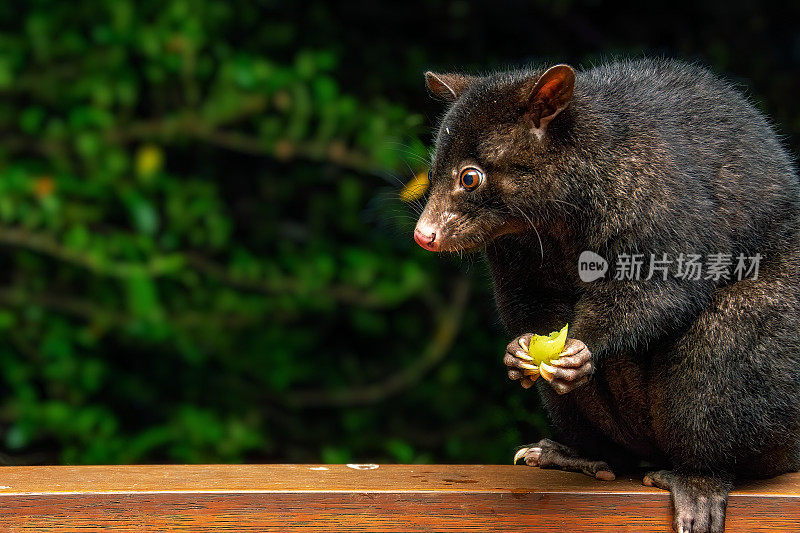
x=425, y=236
x=432, y=232
x=435, y=227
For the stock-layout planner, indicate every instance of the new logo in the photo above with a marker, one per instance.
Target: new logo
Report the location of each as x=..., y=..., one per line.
x=591, y=266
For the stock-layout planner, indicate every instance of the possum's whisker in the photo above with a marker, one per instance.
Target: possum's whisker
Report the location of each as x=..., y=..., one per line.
x=532, y=225
x=415, y=201
x=410, y=154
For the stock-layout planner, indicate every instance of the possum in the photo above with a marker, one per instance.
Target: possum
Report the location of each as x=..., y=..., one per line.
x=634, y=162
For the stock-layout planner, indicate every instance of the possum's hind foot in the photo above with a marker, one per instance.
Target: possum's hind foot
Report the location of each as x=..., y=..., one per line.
x=699, y=501
x=549, y=454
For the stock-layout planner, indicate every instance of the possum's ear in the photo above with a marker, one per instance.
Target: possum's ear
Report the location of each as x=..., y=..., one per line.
x=448, y=87
x=548, y=96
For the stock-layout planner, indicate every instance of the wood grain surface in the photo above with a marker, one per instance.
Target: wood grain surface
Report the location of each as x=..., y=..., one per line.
x=358, y=498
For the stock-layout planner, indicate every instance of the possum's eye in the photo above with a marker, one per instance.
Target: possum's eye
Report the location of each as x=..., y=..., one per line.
x=470, y=178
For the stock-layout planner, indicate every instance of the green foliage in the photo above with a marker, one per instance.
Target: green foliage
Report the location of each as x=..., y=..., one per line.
x=204, y=257
x=203, y=254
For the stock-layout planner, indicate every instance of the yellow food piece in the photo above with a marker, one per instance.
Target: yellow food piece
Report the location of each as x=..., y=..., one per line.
x=547, y=348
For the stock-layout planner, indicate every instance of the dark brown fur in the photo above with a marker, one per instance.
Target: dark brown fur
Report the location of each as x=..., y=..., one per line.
x=701, y=377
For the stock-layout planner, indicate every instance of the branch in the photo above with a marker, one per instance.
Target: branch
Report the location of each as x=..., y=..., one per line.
x=340, y=293
x=47, y=245
x=86, y=310
x=192, y=125
x=162, y=265
x=449, y=324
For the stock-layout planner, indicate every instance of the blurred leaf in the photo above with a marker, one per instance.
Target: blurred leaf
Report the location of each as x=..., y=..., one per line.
x=149, y=159
x=142, y=297
x=143, y=213
x=416, y=188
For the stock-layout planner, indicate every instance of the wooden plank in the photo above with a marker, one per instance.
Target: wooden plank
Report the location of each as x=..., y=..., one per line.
x=344, y=498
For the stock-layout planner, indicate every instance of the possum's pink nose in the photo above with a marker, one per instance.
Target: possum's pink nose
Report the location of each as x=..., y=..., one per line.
x=427, y=239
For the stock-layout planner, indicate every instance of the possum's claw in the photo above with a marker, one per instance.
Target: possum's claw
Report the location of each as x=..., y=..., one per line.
x=519, y=362
x=549, y=454
x=520, y=454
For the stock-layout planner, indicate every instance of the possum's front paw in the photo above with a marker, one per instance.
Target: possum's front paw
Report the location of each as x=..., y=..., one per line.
x=571, y=370
x=520, y=364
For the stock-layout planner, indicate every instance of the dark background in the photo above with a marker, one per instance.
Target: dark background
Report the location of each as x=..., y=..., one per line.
x=204, y=257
